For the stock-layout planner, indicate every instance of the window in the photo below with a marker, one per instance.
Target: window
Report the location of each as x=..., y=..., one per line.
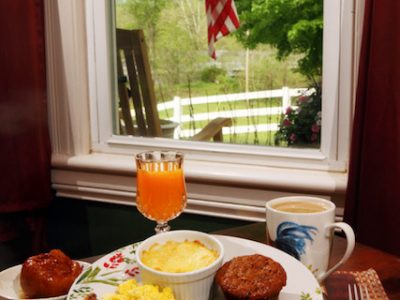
x=90, y=162
x=247, y=85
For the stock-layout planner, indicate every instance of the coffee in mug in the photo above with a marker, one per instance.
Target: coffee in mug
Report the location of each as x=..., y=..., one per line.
x=303, y=227
x=300, y=207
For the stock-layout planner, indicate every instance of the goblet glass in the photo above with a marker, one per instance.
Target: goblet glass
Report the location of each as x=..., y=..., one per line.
x=160, y=186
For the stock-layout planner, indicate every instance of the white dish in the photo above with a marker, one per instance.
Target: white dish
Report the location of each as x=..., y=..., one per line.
x=10, y=287
x=114, y=268
x=195, y=285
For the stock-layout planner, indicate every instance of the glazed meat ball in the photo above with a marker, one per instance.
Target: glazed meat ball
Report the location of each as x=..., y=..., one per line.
x=48, y=274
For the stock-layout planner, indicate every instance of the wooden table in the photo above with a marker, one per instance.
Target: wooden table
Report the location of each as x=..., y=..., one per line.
x=386, y=265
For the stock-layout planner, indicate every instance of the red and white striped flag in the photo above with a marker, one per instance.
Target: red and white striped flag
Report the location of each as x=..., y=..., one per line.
x=222, y=19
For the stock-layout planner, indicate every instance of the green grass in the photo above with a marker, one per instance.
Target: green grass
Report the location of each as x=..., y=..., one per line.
x=165, y=114
x=203, y=89
x=236, y=105
x=196, y=89
x=225, y=106
x=259, y=138
x=243, y=121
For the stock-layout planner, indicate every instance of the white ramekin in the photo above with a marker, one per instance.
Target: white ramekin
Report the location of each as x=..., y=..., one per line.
x=194, y=285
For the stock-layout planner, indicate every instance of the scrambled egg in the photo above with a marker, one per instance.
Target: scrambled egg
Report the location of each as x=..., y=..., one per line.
x=178, y=257
x=130, y=290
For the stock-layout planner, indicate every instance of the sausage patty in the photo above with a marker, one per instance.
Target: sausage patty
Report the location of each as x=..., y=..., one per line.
x=252, y=277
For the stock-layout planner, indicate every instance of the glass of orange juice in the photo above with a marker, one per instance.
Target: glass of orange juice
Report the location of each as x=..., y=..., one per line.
x=160, y=186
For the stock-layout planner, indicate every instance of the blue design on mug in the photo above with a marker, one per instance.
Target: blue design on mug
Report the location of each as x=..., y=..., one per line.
x=291, y=237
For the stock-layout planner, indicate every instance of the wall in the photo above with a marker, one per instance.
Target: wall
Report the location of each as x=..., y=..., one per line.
x=86, y=228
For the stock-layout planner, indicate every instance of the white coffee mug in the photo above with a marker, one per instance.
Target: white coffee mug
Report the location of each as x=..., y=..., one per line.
x=306, y=235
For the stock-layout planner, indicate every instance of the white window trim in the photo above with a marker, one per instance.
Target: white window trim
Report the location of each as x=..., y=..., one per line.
x=90, y=163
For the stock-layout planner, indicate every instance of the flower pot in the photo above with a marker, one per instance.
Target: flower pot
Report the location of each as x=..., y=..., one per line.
x=168, y=128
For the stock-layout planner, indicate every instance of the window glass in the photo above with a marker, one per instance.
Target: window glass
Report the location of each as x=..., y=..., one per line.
x=264, y=88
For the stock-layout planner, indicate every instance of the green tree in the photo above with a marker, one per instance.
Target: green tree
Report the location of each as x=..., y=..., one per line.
x=291, y=26
x=180, y=48
x=175, y=33
x=135, y=14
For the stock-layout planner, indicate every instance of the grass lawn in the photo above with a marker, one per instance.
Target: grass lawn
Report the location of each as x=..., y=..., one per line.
x=201, y=89
x=261, y=138
x=251, y=138
x=244, y=121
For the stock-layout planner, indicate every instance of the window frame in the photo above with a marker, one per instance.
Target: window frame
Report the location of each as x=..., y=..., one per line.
x=91, y=163
x=331, y=156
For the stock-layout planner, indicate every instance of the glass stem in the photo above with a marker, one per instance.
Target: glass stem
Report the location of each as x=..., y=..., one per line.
x=162, y=227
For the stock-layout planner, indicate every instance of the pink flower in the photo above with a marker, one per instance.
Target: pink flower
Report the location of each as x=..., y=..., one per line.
x=286, y=122
x=314, y=137
x=293, y=137
x=302, y=99
x=289, y=110
x=315, y=128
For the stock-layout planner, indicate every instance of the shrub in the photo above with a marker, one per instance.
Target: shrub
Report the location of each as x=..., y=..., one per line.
x=302, y=125
x=210, y=74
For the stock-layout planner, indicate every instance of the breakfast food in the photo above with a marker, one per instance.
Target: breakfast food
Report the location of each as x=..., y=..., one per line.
x=48, y=274
x=178, y=257
x=251, y=277
x=91, y=296
x=130, y=289
x=303, y=207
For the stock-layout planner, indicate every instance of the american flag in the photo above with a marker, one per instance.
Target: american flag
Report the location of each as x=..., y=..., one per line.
x=222, y=19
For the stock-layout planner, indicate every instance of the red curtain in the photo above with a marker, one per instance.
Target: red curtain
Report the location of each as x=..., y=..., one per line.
x=373, y=196
x=24, y=139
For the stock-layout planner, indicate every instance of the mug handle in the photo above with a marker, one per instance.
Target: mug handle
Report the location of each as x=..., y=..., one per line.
x=348, y=231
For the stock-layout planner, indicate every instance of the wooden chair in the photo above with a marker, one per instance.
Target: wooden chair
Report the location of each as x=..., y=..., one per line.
x=135, y=84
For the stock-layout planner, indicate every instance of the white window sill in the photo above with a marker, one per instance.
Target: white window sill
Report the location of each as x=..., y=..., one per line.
x=215, y=189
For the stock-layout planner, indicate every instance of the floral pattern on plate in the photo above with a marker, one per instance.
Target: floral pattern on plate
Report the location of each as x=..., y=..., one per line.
x=107, y=273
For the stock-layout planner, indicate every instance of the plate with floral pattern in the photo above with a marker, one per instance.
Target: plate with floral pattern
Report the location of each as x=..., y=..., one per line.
x=108, y=272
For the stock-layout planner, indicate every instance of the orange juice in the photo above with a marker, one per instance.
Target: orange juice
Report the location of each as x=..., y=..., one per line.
x=161, y=194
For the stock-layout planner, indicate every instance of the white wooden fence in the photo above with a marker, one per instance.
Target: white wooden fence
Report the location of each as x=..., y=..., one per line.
x=178, y=103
